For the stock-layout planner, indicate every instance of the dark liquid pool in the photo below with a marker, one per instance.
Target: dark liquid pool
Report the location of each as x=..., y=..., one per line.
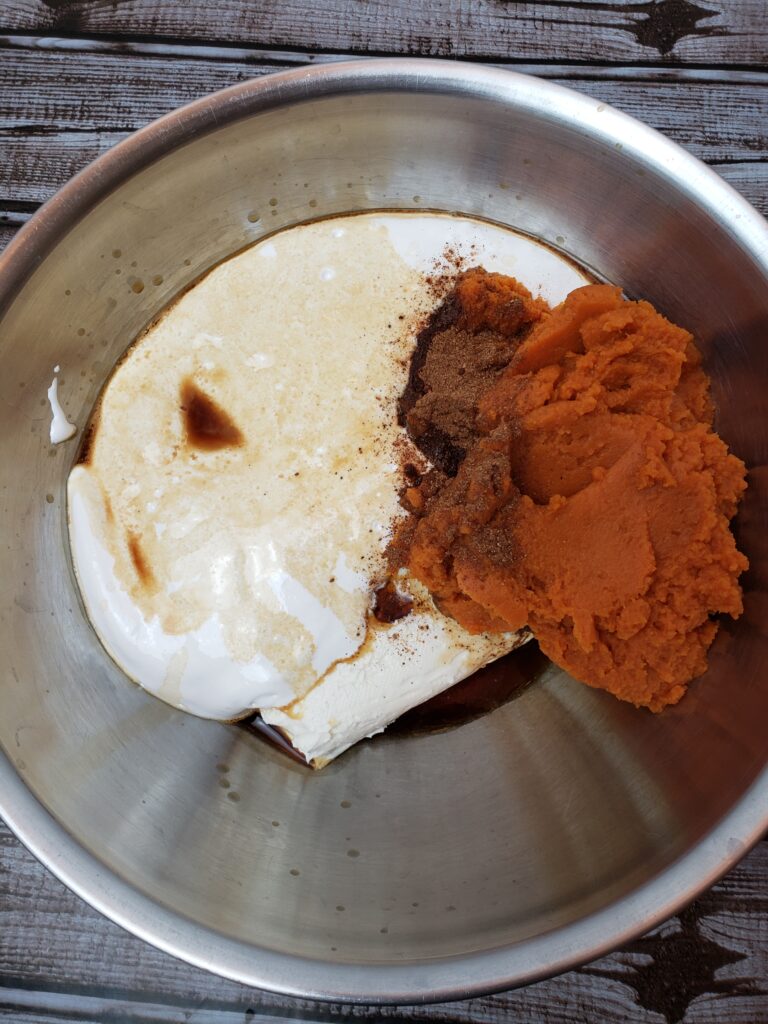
x=479, y=694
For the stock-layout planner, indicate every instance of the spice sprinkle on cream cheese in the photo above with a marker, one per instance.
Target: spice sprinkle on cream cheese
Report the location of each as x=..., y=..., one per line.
x=239, y=484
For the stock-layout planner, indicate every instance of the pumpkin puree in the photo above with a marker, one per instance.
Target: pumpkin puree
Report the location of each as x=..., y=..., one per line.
x=593, y=503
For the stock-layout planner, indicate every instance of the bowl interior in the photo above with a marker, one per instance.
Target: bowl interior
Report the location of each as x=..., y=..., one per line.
x=406, y=849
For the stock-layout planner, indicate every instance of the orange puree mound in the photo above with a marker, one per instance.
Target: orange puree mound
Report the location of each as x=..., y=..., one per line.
x=494, y=301
x=595, y=504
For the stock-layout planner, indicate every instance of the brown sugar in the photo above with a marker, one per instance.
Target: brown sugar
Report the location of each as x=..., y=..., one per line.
x=592, y=499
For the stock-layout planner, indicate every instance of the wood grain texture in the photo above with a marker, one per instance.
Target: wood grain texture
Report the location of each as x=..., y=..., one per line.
x=720, y=116
x=32, y=167
x=59, y=957
x=6, y=234
x=10, y=222
x=705, y=31
x=751, y=179
x=57, y=113
x=75, y=77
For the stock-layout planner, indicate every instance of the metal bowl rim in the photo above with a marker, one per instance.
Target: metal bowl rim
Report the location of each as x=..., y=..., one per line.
x=443, y=979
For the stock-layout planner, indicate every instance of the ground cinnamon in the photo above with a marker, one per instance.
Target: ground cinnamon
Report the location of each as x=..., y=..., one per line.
x=585, y=493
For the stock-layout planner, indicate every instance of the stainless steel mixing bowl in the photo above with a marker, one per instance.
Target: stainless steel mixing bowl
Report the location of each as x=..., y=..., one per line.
x=510, y=848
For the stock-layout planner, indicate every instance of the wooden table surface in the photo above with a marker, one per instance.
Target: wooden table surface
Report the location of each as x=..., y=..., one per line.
x=76, y=76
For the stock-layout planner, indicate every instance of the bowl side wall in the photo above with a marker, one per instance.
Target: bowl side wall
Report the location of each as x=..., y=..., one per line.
x=550, y=809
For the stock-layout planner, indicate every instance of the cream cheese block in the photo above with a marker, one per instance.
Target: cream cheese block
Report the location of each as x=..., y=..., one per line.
x=230, y=511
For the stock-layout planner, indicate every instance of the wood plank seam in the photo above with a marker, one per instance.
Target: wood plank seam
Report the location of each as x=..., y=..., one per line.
x=659, y=31
x=214, y=52
x=708, y=964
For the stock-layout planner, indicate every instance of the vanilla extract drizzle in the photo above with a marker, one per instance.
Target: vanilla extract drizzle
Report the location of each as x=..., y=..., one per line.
x=246, y=456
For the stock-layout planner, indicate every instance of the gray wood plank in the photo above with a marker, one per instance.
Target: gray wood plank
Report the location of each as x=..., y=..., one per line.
x=719, y=118
x=7, y=231
x=33, y=167
x=705, y=31
x=751, y=179
x=58, y=956
x=59, y=960
x=17, y=1006
x=57, y=113
x=10, y=222
x=256, y=54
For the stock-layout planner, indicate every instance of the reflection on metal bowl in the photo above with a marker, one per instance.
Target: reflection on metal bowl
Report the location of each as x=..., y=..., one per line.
x=422, y=866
